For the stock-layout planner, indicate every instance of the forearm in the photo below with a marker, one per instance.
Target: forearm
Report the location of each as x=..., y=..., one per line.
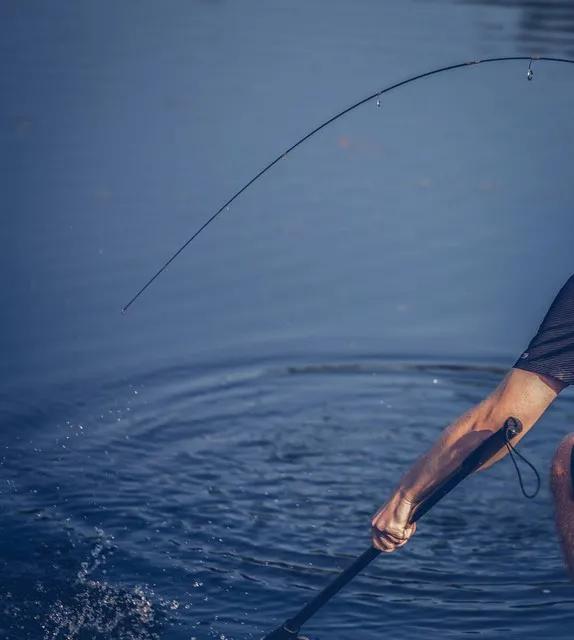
x=454, y=444
x=520, y=394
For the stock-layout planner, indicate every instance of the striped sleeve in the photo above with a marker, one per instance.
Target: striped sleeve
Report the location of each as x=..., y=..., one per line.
x=551, y=350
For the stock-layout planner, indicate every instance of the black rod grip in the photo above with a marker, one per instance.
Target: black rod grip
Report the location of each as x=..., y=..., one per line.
x=484, y=452
x=488, y=448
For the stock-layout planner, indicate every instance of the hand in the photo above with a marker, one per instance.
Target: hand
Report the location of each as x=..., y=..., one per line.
x=390, y=525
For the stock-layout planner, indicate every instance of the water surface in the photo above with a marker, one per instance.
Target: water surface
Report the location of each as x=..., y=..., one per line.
x=200, y=466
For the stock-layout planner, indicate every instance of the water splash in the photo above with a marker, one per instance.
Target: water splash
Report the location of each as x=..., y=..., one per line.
x=110, y=611
x=106, y=610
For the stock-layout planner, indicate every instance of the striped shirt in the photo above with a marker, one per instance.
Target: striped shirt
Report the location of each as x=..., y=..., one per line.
x=551, y=351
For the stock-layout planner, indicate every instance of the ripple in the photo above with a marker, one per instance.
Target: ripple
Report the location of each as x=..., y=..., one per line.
x=255, y=481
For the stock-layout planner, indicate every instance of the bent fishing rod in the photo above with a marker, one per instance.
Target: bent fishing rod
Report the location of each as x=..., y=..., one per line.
x=489, y=447
x=377, y=95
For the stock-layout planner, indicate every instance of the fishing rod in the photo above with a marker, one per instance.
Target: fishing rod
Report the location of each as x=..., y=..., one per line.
x=377, y=95
x=289, y=630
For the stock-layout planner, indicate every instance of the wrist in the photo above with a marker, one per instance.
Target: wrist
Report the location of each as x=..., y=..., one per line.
x=403, y=496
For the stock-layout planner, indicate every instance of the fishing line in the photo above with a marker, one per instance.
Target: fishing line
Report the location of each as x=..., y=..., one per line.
x=377, y=95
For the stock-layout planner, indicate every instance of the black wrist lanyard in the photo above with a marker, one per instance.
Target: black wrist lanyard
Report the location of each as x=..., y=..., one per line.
x=512, y=450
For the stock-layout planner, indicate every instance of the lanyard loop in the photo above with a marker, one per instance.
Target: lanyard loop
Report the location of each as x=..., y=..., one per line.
x=511, y=451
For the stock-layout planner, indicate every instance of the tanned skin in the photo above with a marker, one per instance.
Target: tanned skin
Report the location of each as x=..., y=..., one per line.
x=522, y=394
x=563, y=490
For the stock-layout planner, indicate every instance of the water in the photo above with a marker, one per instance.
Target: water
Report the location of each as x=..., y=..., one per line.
x=200, y=466
x=214, y=499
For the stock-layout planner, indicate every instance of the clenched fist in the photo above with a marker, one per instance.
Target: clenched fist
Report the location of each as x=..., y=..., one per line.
x=390, y=525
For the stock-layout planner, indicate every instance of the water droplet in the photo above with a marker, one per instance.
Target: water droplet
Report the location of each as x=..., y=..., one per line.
x=379, y=103
x=530, y=74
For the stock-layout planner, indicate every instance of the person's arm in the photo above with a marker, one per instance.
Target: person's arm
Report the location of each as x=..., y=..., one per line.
x=522, y=394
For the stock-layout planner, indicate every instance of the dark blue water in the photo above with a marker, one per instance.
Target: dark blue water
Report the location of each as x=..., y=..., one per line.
x=200, y=466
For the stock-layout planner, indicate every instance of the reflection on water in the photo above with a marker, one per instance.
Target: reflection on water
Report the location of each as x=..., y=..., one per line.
x=542, y=27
